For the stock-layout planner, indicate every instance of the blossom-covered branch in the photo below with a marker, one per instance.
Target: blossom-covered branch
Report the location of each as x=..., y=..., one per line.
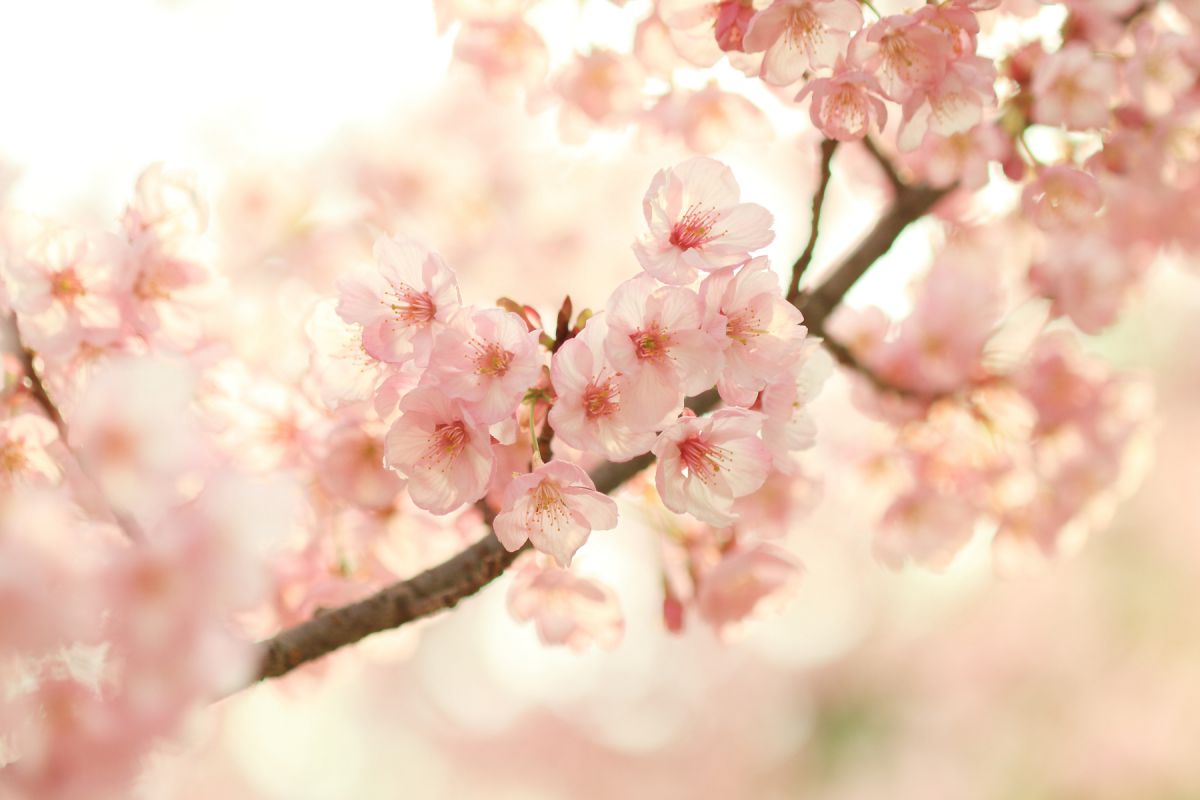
x=446, y=584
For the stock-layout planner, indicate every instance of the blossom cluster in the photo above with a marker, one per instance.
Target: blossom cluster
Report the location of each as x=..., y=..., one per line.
x=168, y=492
x=482, y=405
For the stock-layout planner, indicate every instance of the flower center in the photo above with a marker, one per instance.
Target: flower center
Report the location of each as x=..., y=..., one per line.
x=448, y=440
x=12, y=457
x=742, y=326
x=600, y=399
x=803, y=25
x=650, y=343
x=694, y=228
x=65, y=285
x=548, y=509
x=148, y=287
x=491, y=359
x=701, y=459
x=413, y=307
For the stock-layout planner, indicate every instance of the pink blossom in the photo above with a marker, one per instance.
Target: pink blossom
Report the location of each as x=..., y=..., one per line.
x=759, y=330
x=697, y=222
x=800, y=35
x=1163, y=68
x=342, y=368
x=705, y=463
x=654, y=340
x=62, y=288
x=788, y=426
x=1086, y=278
x=1074, y=88
x=845, y=105
x=732, y=23
x=590, y=411
x=160, y=293
x=401, y=305
x=600, y=88
x=566, y=608
x=710, y=118
x=445, y=454
x=139, y=445
x=961, y=158
x=555, y=507
x=1062, y=197
x=953, y=103
x=692, y=26
x=486, y=360
x=23, y=457
x=509, y=53
x=167, y=207
x=906, y=52
x=939, y=345
x=926, y=528
x=746, y=581
x=353, y=467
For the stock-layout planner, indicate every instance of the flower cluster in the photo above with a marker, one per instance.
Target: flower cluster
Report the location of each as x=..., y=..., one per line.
x=495, y=410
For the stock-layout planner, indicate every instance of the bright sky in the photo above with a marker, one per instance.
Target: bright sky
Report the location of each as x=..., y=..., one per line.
x=94, y=91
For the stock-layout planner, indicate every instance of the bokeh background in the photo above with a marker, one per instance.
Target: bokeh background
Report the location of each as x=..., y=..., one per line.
x=311, y=127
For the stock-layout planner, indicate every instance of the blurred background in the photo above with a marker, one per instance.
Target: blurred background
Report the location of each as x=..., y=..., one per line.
x=313, y=126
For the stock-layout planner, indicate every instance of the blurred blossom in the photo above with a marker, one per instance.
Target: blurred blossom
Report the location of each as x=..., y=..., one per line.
x=313, y=323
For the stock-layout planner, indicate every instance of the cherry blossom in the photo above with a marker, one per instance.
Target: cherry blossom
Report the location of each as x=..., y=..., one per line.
x=554, y=507
x=1062, y=197
x=23, y=455
x=508, y=53
x=952, y=104
x=1074, y=88
x=788, y=426
x=412, y=295
x=655, y=340
x=1086, y=279
x=907, y=52
x=745, y=581
x=697, y=222
x=760, y=331
x=925, y=527
x=591, y=411
x=704, y=464
x=846, y=105
x=444, y=452
x=566, y=608
x=63, y=289
x=799, y=35
x=486, y=359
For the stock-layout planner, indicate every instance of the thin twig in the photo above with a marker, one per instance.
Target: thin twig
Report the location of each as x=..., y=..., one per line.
x=846, y=357
x=885, y=164
x=37, y=391
x=828, y=148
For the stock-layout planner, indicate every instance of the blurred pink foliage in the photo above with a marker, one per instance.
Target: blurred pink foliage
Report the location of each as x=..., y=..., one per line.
x=232, y=415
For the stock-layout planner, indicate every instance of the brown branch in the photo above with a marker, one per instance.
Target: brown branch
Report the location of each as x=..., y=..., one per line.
x=33, y=379
x=846, y=357
x=37, y=390
x=828, y=148
x=909, y=205
x=448, y=583
x=897, y=183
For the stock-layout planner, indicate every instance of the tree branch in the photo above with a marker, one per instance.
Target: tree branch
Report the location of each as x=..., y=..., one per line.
x=446, y=584
x=828, y=148
x=909, y=205
x=37, y=390
x=33, y=380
